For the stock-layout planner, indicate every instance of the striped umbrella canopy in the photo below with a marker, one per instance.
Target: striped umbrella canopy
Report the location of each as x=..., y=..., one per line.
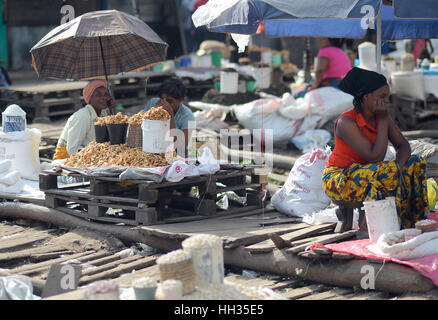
x=97, y=44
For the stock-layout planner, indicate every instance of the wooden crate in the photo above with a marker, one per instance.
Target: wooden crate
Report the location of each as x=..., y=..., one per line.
x=145, y=202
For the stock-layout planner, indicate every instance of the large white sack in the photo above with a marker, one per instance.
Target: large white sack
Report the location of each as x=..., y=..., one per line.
x=294, y=109
x=22, y=149
x=328, y=102
x=264, y=113
x=16, y=188
x=302, y=192
x=313, y=138
x=423, y=245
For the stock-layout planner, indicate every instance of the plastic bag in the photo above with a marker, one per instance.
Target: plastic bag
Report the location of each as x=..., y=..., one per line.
x=316, y=138
x=265, y=112
x=432, y=190
x=303, y=193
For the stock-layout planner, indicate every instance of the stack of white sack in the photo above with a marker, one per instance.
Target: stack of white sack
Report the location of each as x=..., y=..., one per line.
x=289, y=117
x=394, y=245
x=22, y=149
x=10, y=179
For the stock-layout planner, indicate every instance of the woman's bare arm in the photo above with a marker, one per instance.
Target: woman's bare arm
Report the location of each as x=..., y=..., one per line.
x=400, y=144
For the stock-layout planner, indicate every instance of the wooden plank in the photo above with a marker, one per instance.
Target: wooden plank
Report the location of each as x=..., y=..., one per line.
x=302, y=232
x=104, y=219
x=280, y=285
x=23, y=239
x=109, y=265
x=6, y=230
x=104, y=260
x=371, y=295
x=26, y=253
x=234, y=231
x=256, y=282
x=95, y=203
x=37, y=267
x=328, y=294
x=83, y=194
x=324, y=239
x=302, y=292
x=45, y=265
x=49, y=255
x=124, y=268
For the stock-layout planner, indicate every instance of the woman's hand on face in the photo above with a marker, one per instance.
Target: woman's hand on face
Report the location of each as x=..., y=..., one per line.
x=381, y=109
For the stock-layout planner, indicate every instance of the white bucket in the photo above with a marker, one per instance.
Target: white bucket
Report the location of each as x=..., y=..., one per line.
x=410, y=84
x=263, y=77
x=229, y=82
x=208, y=258
x=13, y=119
x=156, y=136
x=367, y=53
x=381, y=217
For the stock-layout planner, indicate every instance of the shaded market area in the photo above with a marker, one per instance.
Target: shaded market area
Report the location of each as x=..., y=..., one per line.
x=180, y=154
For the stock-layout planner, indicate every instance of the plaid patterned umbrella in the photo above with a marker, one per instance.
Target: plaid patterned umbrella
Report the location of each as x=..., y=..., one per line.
x=97, y=44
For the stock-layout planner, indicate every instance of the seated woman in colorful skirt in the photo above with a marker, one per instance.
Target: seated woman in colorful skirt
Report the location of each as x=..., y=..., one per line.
x=356, y=170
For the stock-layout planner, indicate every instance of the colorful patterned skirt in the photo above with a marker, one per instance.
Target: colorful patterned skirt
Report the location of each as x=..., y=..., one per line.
x=361, y=182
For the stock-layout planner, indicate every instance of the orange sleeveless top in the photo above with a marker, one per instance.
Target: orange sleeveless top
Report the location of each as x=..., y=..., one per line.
x=342, y=155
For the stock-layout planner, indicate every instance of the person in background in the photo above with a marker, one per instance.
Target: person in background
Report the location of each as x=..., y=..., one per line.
x=78, y=132
x=356, y=170
x=331, y=66
x=171, y=94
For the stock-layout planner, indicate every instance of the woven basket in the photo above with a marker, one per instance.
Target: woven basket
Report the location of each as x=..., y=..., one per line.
x=135, y=136
x=182, y=271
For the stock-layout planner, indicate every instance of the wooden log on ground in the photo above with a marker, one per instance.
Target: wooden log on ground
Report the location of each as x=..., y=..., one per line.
x=56, y=217
x=391, y=277
x=415, y=134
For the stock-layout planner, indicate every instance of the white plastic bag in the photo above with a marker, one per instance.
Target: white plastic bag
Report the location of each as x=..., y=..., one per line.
x=265, y=113
x=328, y=102
x=423, y=245
x=21, y=147
x=294, y=109
x=13, y=189
x=16, y=287
x=315, y=138
x=303, y=193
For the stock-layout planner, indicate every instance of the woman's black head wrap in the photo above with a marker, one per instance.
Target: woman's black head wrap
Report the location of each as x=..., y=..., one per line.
x=358, y=82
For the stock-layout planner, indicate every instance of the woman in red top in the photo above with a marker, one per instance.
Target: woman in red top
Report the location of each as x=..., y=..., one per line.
x=356, y=171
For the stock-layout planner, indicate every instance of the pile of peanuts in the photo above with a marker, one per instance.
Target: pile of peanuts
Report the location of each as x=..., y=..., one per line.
x=113, y=119
x=105, y=154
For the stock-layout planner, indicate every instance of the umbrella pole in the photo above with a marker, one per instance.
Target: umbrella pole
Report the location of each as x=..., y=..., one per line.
x=379, y=40
x=106, y=74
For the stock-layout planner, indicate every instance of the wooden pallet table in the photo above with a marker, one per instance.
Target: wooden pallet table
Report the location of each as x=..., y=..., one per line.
x=148, y=203
x=46, y=99
x=132, y=88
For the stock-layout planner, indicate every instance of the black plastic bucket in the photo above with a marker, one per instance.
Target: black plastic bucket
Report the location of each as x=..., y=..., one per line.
x=117, y=132
x=101, y=134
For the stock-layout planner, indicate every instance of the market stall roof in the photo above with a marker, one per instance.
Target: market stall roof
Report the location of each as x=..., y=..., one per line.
x=244, y=17
x=424, y=9
x=352, y=24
